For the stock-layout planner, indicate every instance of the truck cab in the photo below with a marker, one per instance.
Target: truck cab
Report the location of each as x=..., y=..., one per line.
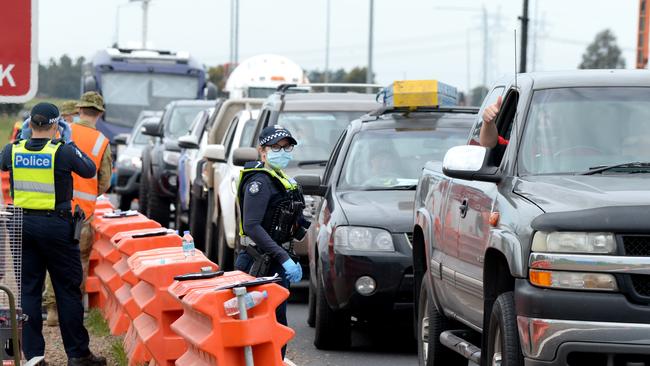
x=535, y=251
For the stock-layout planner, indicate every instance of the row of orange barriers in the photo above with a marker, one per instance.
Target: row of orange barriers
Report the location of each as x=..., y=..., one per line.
x=168, y=322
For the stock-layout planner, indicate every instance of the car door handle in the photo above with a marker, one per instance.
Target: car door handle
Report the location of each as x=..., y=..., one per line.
x=463, y=209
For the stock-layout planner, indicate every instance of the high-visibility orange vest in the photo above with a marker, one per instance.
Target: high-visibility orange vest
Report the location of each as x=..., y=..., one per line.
x=93, y=143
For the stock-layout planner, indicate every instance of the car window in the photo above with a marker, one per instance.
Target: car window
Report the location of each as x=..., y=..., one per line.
x=246, y=138
x=393, y=158
x=180, y=120
x=230, y=134
x=489, y=99
x=316, y=132
x=332, y=160
x=570, y=130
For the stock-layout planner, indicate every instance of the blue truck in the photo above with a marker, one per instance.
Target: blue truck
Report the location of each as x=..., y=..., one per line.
x=132, y=80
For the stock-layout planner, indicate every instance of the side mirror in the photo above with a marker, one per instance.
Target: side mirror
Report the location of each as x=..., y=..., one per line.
x=215, y=153
x=243, y=155
x=151, y=129
x=188, y=142
x=311, y=184
x=121, y=139
x=90, y=83
x=469, y=162
x=212, y=91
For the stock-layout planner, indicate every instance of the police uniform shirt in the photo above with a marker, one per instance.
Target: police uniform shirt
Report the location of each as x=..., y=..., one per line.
x=257, y=193
x=68, y=159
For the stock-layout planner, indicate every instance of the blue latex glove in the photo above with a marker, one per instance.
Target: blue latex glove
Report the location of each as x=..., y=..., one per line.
x=25, y=131
x=64, y=131
x=293, y=270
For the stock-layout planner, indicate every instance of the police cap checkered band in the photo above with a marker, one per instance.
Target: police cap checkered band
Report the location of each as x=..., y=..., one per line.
x=273, y=134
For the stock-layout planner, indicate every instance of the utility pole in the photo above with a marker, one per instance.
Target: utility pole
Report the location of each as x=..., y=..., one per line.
x=145, y=18
x=370, y=32
x=524, y=37
x=236, y=32
x=485, y=46
x=326, y=76
x=469, y=63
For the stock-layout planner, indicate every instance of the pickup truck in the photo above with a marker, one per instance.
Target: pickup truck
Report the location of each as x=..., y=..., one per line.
x=537, y=251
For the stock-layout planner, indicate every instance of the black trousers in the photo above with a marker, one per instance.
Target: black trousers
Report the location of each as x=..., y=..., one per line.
x=48, y=245
x=245, y=262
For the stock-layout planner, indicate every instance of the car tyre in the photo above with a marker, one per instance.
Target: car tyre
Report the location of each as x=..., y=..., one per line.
x=226, y=259
x=178, y=221
x=333, y=328
x=158, y=209
x=143, y=194
x=125, y=201
x=210, y=249
x=503, y=346
x=429, y=327
x=197, y=221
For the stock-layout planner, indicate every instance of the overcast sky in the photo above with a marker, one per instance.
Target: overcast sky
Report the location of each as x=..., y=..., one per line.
x=413, y=38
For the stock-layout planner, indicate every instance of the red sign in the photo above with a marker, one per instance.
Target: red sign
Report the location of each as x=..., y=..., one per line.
x=18, y=46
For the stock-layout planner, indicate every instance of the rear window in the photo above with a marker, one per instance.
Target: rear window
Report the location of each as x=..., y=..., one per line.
x=316, y=132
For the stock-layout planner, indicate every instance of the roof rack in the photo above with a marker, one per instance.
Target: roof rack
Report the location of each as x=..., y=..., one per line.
x=406, y=110
x=284, y=87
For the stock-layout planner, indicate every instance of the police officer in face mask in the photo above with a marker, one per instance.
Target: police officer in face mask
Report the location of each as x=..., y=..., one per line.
x=271, y=207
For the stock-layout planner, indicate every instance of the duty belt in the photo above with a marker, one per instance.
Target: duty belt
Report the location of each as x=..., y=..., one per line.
x=246, y=241
x=61, y=213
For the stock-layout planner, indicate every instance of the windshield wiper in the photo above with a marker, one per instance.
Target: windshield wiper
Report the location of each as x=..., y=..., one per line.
x=600, y=169
x=312, y=162
x=408, y=187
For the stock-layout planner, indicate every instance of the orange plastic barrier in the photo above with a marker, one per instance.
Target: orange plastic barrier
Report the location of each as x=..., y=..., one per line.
x=104, y=255
x=128, y=243
x=213, y=338
x=6, y=189
x=156, y=269
x=92, y=282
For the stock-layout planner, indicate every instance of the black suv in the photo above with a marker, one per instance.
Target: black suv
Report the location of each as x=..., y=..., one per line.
x=158, y=181
x=361, y=264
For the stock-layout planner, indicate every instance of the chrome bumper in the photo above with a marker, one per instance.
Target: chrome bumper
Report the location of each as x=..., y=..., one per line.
x=541, y=338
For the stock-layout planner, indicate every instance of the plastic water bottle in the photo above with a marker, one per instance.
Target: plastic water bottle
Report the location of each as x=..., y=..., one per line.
x=252, y=299
x=188, y=244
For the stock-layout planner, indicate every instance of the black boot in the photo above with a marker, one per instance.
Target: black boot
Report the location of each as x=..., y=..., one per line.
x=90, y=360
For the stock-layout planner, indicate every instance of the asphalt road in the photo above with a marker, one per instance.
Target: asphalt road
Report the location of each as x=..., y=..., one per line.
x=371, y=346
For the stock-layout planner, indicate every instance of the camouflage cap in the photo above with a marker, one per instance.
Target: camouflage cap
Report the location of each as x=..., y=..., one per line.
x=68, y=107
x=91, y=100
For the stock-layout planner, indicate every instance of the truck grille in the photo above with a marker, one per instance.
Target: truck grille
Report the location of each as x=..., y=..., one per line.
x=636, y=245
x=641, y=284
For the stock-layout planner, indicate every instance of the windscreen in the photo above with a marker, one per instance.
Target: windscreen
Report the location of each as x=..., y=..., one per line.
x=180, y=120
x=316, y=132
x=127, y=93
x=571, y=130
x=393, y=159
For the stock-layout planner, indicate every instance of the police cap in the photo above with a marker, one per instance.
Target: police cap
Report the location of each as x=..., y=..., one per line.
x=273, y=134
x=91, y=100
x=44, y=114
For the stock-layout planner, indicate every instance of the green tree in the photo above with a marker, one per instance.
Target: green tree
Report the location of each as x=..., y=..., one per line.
x=60, y=78
x=603, y=53
x=217, y=75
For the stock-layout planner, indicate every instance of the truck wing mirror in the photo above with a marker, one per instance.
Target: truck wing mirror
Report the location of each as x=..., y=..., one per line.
x=243, y=155
x=215, y=153
x=151, y=129
x=121, y=139
x=188, y=142
x=469, y=162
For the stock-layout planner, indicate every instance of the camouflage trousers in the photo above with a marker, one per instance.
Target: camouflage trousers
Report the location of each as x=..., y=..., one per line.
x=85, y=246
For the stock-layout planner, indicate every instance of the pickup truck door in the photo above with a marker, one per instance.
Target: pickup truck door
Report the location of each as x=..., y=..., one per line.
x=477, y=201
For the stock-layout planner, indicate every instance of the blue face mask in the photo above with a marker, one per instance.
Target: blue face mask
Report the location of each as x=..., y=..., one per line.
x=76, y=118
x=279, y=159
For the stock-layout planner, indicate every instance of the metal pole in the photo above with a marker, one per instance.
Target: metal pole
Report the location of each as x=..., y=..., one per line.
x=232, y=35
x=369, y=72
x=117, y=26
x=240, y=292
x=469, y=68
x=524, y=37
x=326, y=76
x=145, y=16
x=236, y=32
x=14, y=324
x=485, y=46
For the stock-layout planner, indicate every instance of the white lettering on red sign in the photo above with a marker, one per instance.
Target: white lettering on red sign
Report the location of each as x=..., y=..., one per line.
x=5, y=73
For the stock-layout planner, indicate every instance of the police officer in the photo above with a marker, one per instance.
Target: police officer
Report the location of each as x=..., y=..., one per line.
x=41, y=181
x=271, y=207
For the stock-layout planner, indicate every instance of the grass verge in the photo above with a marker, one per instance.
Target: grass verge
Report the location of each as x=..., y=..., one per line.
x=97, y=326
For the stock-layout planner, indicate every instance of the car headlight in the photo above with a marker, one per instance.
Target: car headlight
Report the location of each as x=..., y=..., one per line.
x=171, y=157
x=573, y=280
x=574, y=242
x=363, y=238
x=130, y=162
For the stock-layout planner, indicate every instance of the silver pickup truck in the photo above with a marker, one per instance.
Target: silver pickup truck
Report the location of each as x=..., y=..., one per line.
x=537, y=251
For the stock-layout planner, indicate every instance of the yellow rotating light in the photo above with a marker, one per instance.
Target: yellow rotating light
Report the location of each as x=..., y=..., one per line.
x=420, y=93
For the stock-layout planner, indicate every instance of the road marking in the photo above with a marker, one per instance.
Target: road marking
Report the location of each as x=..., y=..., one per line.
x=288, y=362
